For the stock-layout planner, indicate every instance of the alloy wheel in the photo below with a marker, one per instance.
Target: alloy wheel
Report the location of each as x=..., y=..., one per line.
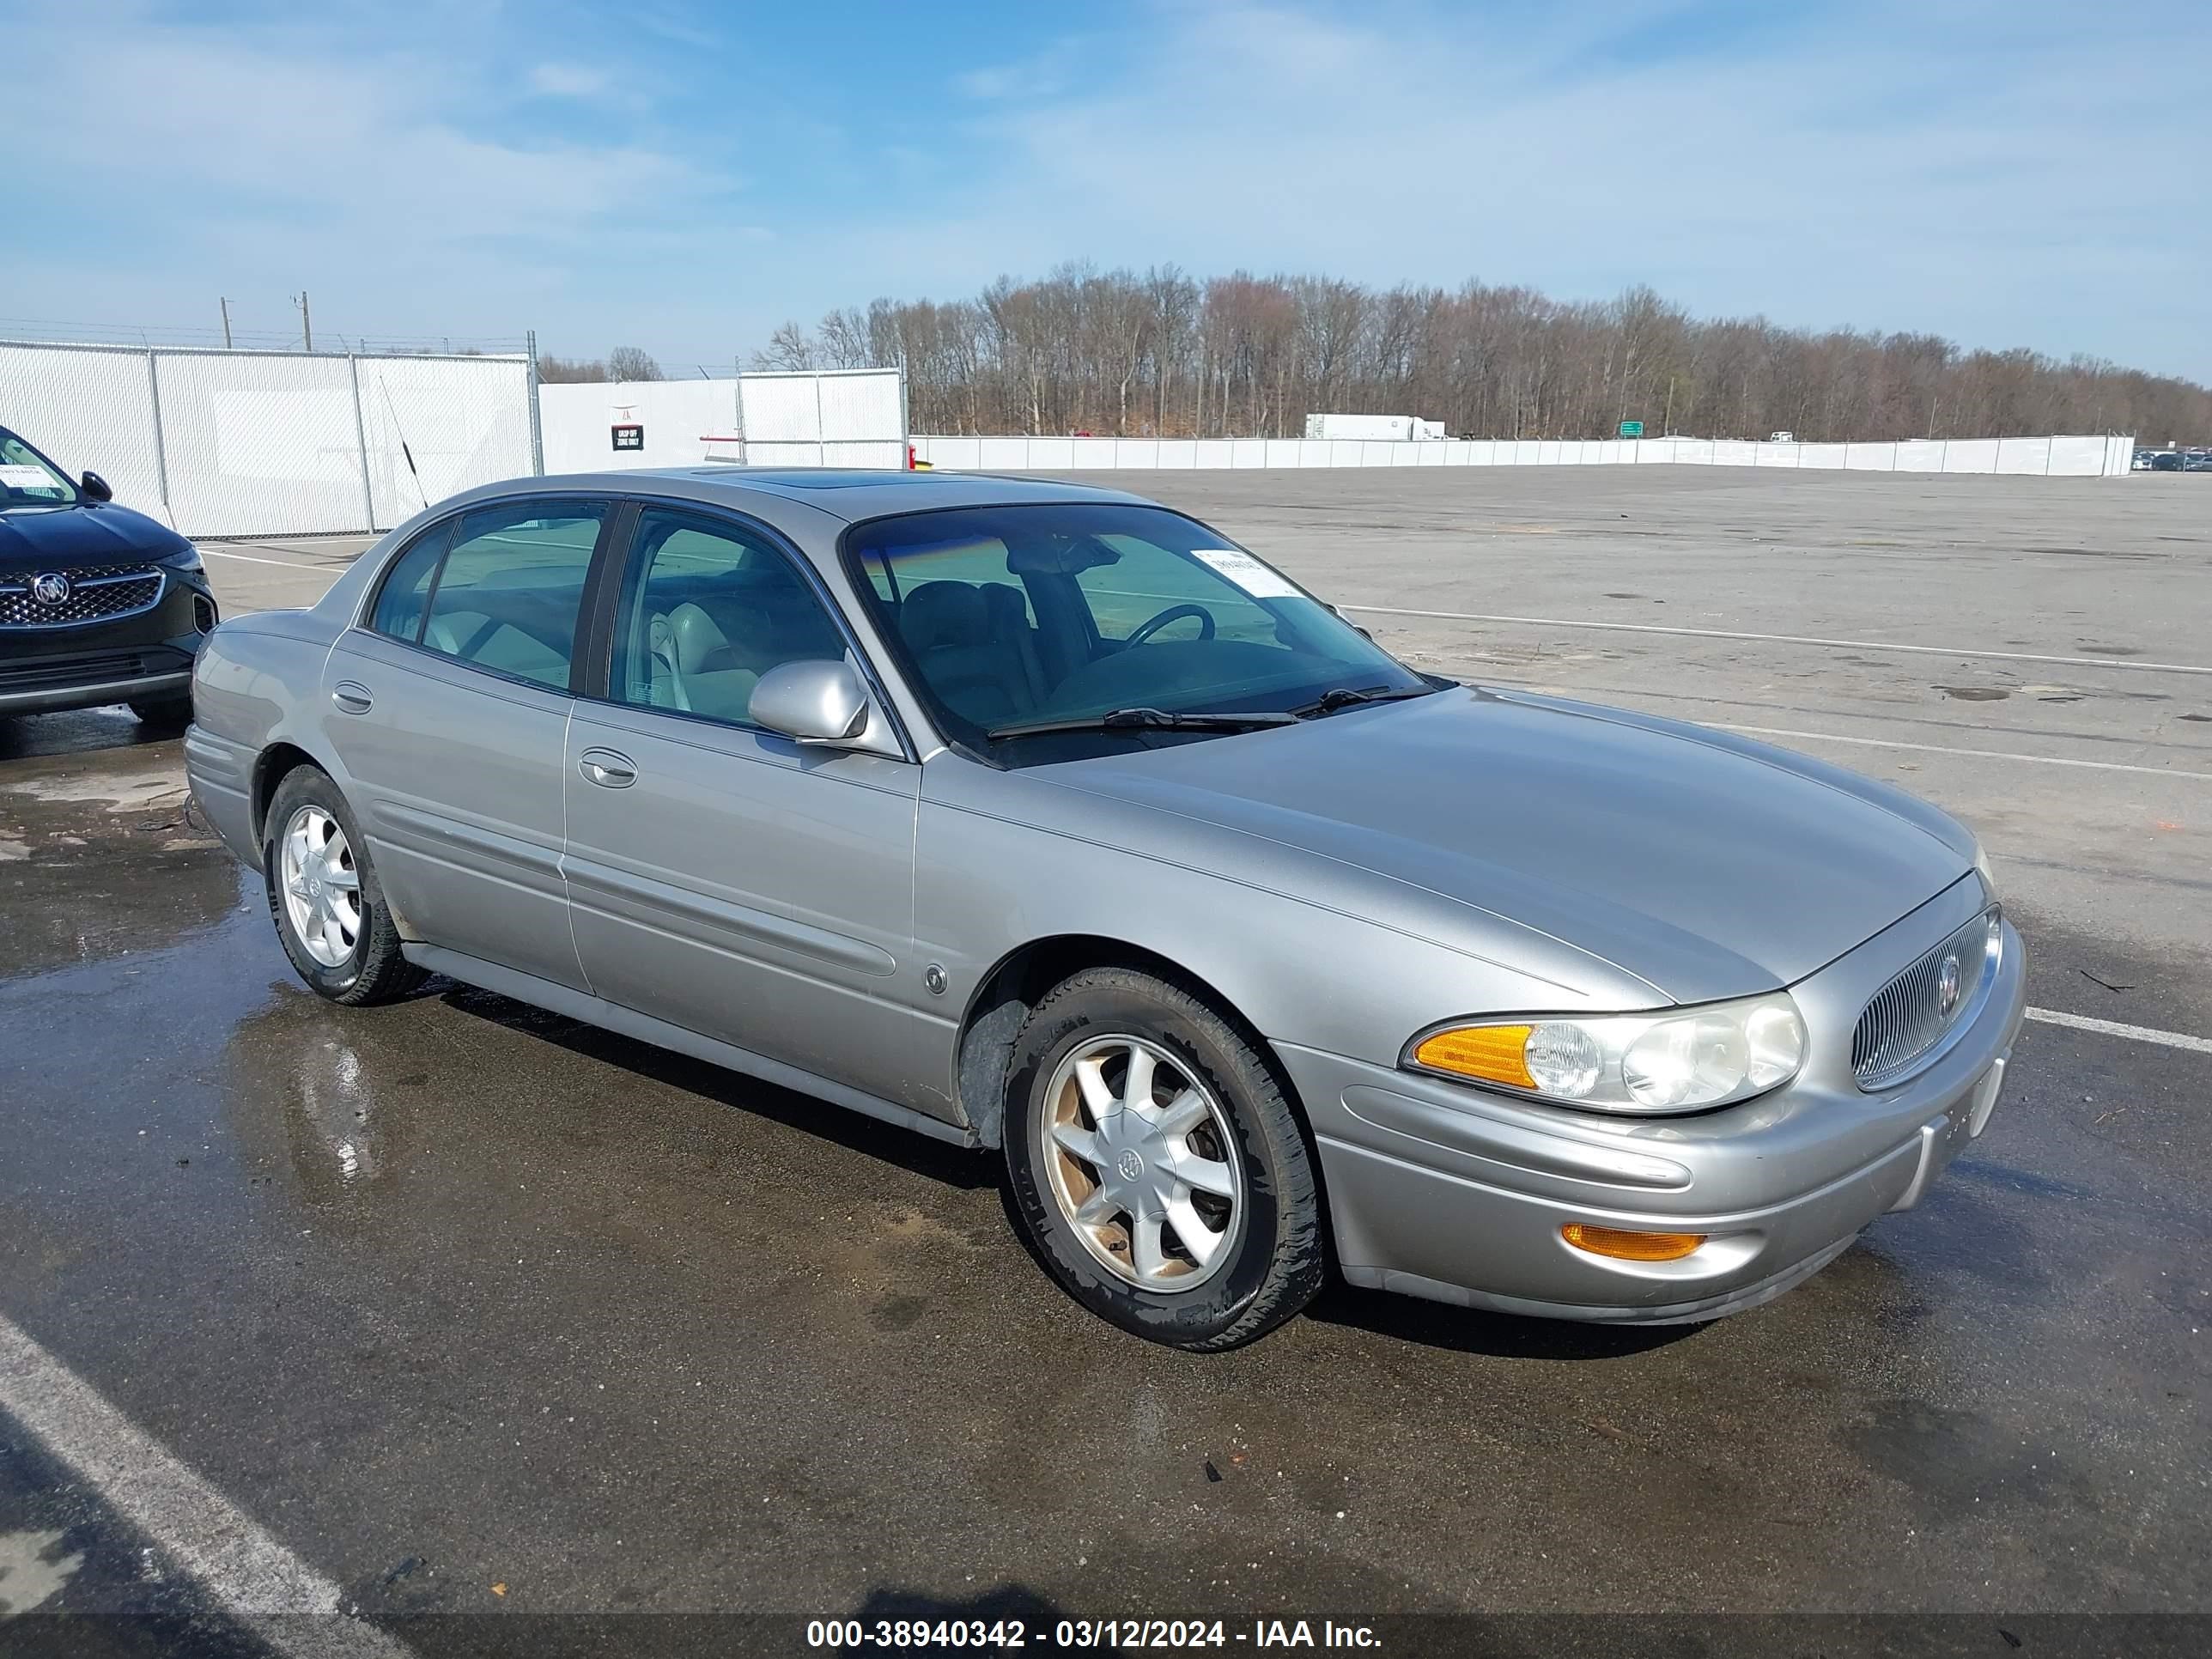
x=1143, y=1163
x=321, y=886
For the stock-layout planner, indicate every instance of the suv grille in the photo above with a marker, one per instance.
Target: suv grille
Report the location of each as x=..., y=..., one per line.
x=96, y=594
x=1911, y=1016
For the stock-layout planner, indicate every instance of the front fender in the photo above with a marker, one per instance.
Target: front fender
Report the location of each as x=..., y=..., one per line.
x=1304, y=953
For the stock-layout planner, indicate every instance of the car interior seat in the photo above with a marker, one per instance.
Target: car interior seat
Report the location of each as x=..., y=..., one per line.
x=713, y=675
x=974, y=647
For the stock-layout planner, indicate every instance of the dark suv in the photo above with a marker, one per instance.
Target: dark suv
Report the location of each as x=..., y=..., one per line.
x=97, y=603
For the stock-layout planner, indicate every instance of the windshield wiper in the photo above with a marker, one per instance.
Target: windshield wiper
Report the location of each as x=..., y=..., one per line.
x=1345, y=696
x=1142, y=720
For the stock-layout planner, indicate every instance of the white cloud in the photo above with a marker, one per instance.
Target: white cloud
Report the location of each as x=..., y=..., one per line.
x=2006, y=175
x=241, y=159
x=1973, y=169
x=568, y=81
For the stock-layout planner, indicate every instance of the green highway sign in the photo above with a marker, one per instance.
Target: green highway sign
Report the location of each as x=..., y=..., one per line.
x=1631, y=428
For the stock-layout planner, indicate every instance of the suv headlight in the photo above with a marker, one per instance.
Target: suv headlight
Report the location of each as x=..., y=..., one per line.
x=1675, y=1059
x=186, y=557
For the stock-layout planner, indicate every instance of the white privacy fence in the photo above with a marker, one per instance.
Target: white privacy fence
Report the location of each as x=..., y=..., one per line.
x=830, y=417
x=260, y=443
x=2090, y=456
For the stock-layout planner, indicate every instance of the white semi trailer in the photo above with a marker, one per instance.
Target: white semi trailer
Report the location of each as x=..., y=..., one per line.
x=1401, y=428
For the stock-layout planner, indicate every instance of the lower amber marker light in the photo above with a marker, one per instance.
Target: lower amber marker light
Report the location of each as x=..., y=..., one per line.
x=1625, y=1246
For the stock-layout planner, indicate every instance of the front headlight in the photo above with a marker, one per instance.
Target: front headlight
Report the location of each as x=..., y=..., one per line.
x=1679, y=1059
x=1981, y=869
x=186, y=557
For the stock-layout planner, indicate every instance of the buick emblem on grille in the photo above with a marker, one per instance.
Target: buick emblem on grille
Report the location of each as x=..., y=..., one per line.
x=50, y=587
x=1949, y=979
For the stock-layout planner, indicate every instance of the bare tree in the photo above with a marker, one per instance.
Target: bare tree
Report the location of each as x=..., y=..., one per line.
x=630, y=363
x=789, y=348
x=1085, y=349
x=556, y=370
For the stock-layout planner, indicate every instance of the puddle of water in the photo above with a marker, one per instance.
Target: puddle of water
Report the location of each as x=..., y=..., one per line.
x=126, y=789
x=1975, y=693
x=2113, y=650
x=34, y=1569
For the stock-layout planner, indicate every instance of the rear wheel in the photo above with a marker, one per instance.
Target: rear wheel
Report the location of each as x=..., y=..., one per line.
x=1157, y=1165
x=324, y=896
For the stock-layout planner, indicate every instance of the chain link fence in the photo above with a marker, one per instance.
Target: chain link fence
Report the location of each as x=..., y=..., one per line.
x=221, y=443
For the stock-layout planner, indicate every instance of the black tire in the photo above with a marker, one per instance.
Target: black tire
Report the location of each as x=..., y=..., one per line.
x=170, y=714
x=1275, y=1242
x=374, y=971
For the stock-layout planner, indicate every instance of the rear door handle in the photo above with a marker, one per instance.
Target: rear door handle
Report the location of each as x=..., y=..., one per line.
x=351, y=696
x=607, y=767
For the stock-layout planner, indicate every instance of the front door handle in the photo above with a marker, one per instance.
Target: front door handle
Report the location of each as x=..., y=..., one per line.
x=351, y=696
x=607, y=767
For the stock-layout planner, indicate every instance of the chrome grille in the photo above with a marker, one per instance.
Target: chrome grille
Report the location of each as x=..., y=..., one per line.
x=1909, y=1018
x=96, y=594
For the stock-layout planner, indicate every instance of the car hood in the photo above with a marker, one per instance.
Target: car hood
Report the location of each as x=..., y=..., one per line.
x=67, y=537
x=1704, y=865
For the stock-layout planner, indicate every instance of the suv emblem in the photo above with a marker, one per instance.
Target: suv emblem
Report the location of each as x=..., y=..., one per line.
x=50, y=587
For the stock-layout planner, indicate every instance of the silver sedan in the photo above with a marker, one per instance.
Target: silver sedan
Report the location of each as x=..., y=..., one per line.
x=1044, y=819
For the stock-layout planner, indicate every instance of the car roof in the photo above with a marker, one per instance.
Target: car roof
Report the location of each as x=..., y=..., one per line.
x=848, y=493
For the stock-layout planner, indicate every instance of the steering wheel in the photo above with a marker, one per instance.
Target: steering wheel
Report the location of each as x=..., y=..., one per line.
x=1173, y=613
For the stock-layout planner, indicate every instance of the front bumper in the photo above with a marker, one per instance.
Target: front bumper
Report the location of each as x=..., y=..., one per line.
x=1459, y=1195
x=146, y=656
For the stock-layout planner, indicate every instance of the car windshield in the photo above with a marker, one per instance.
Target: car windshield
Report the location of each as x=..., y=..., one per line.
x=1050, y=631
x=28, y=478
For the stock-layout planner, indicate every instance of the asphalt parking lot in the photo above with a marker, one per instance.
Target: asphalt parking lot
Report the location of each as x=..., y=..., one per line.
x=482, y=1315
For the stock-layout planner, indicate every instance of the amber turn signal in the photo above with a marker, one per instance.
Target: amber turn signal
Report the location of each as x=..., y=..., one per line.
x=1492, y=1053
x=1627, y=1246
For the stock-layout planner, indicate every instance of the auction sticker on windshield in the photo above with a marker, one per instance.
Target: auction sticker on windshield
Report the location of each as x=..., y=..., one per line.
x=28, y=477
x=1247, y=572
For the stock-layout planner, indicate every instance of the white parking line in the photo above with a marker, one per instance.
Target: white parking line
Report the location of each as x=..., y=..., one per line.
x=1944, y=749
x=2196, y=1045
x=248, y=1572
x=281, y=564
x=1786, y=639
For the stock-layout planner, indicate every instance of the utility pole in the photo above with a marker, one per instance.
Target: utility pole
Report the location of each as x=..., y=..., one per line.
x=225, y=304
x=307, y=323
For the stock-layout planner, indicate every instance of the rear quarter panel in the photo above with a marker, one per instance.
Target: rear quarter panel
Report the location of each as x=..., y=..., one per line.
x=254, y=689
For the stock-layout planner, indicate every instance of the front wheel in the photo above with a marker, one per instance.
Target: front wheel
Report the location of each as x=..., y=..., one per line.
x=1157, y=1165
x=322, y=895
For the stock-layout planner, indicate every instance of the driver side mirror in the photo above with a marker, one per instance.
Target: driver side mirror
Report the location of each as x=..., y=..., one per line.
x=814, y=701
x=96, y=486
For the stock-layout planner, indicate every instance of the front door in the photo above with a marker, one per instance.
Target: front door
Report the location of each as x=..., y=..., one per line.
x=722, y=876
x=450, y=714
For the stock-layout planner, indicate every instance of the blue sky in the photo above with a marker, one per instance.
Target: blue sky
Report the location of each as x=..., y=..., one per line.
x=685, y=176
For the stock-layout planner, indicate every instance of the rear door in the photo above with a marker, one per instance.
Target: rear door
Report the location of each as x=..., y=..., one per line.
x=450, y=713
x=722, y=876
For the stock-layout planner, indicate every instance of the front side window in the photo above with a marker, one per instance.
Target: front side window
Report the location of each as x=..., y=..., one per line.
x=1008, y=618
x=504, y=592
x=707, y=608
x=28, y=478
